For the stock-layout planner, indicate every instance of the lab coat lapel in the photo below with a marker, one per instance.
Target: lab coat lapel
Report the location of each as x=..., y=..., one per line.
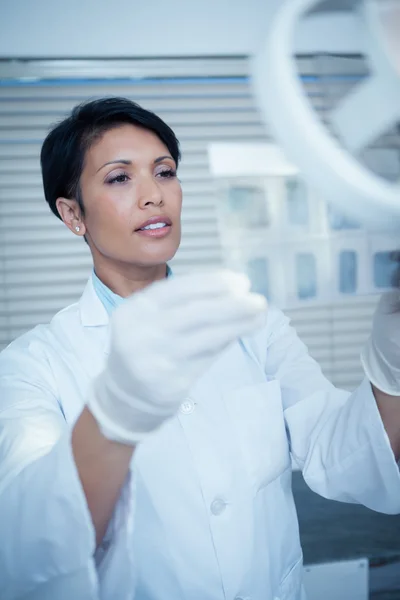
x=94, y=339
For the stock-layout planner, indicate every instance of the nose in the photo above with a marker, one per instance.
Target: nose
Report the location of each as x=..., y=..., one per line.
x=148, y=192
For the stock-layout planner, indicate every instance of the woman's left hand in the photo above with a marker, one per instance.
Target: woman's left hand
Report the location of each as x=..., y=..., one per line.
x=381, y=354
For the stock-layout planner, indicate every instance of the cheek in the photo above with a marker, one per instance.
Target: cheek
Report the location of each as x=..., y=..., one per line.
x=175, y=199
x=110, y=209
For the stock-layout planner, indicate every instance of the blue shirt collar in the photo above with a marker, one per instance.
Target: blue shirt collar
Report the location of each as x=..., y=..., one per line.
x=109, y=299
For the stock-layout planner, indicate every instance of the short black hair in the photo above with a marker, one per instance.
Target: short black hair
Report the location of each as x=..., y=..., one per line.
x=63, y=151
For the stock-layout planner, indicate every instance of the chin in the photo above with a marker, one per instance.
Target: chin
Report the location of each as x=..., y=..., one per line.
x=156, y=256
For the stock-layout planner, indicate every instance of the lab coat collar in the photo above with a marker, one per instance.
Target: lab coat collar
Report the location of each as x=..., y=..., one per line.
x=91, y=308
x=92, y=311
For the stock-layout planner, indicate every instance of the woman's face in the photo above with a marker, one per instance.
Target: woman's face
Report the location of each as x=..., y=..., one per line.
x=128, y=180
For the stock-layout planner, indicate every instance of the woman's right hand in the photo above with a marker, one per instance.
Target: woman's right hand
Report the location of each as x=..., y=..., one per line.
x=162, y=340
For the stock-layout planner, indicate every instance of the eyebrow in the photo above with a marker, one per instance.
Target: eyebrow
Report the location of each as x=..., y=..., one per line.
x=123, y=161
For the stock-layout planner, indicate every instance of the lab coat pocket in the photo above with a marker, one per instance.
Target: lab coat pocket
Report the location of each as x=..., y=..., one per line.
x=257, y=415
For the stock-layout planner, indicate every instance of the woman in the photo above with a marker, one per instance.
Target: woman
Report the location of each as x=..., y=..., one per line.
x=146, y=432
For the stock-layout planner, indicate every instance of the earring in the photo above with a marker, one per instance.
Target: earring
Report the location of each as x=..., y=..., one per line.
x=77, y=228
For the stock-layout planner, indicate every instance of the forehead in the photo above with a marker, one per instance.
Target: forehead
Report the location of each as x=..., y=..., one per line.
x=126, y=142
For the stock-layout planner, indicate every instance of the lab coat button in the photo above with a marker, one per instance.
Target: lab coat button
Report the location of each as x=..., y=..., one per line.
x=218, y=506
x=187, y=407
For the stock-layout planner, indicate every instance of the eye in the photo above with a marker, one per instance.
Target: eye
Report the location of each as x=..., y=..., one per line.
x=120, y=178
x=166, y=173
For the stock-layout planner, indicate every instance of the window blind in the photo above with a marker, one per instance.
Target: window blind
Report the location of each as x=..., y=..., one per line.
x=43, y=267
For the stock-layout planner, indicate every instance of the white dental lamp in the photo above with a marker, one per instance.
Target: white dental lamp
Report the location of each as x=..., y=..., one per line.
x=332, y=165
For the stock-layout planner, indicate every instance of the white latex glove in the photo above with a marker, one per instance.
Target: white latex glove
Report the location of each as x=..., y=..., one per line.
x=381, y=354
x=162, y=340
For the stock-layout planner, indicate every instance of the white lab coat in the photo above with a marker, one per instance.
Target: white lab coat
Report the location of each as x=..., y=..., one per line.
x=208, y=512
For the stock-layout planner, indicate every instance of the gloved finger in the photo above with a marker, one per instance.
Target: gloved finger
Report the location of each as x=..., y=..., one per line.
x=179, y=290
x=389, y=303
x=211, y=312
x=212, y=340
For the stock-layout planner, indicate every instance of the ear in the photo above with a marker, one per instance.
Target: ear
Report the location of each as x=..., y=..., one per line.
x=71, y=215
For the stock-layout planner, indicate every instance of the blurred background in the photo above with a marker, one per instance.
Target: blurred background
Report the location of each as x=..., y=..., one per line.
x=189, y=63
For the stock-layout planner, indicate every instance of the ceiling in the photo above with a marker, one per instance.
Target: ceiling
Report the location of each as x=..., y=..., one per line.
x=207, y=28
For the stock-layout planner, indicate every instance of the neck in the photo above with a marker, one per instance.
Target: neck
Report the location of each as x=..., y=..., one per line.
x=125, y=280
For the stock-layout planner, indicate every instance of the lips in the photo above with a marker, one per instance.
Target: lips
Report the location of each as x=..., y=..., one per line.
x=154, y=221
